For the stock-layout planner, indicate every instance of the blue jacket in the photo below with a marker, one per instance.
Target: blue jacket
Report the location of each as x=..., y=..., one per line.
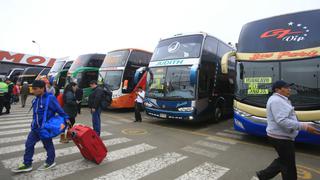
x=38, y=105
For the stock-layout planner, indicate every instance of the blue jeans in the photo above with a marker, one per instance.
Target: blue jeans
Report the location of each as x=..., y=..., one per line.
x=32, y=139
x=96, y=121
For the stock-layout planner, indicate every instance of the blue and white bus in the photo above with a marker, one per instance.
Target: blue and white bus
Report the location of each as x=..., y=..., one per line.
x=185, y=81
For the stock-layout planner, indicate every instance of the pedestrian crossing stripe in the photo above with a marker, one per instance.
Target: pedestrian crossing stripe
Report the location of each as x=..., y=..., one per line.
x=15, y=126
x=16, y=131
x=16, y=118
x=234, y=136
x=200, y=151
x=13, y=162
x=13, y=139
x=212, y=145
x=234, y=132
x=15, y=115
x=144, y=168
x=15, y=121
x=207, y=171
x=21, y=147
x=221, y=140
x=82, y=164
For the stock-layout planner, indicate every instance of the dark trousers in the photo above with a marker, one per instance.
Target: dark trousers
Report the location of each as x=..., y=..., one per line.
x=79, y=108
x=96, y=121
x=137, y=110
x=33, y=138
x=5, y=103
x=1, y=103
x=285, y=163
x=23, y=99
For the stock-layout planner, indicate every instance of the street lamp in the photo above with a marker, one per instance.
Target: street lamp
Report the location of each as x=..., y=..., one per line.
x=33, y=41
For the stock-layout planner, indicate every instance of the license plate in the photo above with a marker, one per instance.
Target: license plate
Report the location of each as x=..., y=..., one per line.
x=163, y=115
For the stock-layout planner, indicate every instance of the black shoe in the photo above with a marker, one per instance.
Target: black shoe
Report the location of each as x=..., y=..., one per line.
x=259, y=176
x=8, y=112
x=135, y=121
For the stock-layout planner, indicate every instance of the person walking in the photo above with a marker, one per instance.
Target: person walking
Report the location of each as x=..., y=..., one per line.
x=24, y=92
x=282, y=128
x=69, y=107
x=94, y=104
x=139, y=104
x=50, y=88
x=16, y=92
x=8, y=96
x=79, y=94
x=39, y=107
x=3, y=91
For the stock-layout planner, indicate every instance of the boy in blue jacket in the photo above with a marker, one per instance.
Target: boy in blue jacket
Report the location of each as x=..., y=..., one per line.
x=38, y=105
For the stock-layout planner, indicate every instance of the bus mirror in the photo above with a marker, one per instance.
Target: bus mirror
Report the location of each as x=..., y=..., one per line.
x=193, y=74
x=224, y=61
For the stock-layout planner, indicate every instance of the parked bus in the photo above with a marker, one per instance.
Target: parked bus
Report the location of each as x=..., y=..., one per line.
x=29, y=74
x=14, y=74
x=61, y=77
x=185, y=81
x=285, y=47
x=58, y=65
x=83, y=70
x=118, y=71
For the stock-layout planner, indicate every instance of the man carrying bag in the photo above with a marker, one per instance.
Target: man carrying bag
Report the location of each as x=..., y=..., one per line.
x=45, y=107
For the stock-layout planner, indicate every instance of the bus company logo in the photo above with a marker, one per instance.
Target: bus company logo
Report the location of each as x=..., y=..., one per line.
x=170, y=62
x=295, y=32
x=173, y=47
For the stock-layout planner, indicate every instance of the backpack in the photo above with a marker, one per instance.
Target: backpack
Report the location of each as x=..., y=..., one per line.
x=107, y=97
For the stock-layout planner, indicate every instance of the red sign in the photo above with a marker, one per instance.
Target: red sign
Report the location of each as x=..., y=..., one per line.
x=12, y=57
x=279, y=33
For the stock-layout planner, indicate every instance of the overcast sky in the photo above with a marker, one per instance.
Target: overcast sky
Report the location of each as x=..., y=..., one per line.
x=72, y=27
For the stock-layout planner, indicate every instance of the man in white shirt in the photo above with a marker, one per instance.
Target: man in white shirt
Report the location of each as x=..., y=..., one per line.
x=139, y=103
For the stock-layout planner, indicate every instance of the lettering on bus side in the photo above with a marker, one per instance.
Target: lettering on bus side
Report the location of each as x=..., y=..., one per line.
x=169, y=62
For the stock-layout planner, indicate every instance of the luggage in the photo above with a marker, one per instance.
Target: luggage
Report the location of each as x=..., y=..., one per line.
x=89, y=143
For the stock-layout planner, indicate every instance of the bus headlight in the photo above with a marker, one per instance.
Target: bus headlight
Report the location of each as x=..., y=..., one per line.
x=184, y=109
x=147, y=104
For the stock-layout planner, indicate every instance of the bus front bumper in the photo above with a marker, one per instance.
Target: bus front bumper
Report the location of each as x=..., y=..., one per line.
x=166, y=114
x=257, y=126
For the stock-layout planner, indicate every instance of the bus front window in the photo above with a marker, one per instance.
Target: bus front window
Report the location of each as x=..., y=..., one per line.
x=57, y=66
x=179, y=47
x=156, y=82
x=113, y=79
x=115, y=58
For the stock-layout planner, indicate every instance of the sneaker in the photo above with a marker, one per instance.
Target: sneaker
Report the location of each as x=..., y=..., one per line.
x=22, y=168
x=46, y=166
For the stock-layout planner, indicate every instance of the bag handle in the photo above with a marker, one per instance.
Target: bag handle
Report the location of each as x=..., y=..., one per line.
x=45, y=110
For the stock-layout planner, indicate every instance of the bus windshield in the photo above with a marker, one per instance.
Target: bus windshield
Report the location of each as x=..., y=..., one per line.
x=254, y=81
x=179, y=47
x=170, y=83
x=113, y=79
x=88, y=60
x=116, y=58
x=57, y=66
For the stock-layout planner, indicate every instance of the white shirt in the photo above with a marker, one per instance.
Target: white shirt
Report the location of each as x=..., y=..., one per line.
x=140, y=97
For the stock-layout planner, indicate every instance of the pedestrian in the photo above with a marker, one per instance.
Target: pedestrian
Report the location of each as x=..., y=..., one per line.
x=50, y=88
x=94, y=104
x=25, y=91
x=282, y=128
x=16, y=92
x=3, y=91
x=79, y=94
x=70, y=106
x=39, y=106
x=8, y=96
x=139, y=104
x=56, y=88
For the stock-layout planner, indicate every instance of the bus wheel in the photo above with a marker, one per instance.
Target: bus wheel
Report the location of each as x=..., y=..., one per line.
x=217, y=114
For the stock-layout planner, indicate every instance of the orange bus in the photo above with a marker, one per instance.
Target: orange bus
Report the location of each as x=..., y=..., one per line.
x=118, y=71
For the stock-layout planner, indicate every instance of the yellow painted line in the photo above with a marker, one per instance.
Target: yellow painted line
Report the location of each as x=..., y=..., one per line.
x=134, y=131
x=308, y=168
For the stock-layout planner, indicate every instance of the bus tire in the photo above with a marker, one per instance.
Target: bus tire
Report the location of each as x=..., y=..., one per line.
x=217, y=114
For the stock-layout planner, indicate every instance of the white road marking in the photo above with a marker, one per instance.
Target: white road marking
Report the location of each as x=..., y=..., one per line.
x=200, y=151
x=21, y=147
x=16, y=118
x=219, y=139
x=207, y=171
x=15, y=126
x=234, y=136
x=15, y=121
x=212, y=145
x=16, y=131
x=254, y=178
x=234, y=132
x=112, y=122
x=82, y=164
x=13, y=162
x=13, y=139
x=144, y=168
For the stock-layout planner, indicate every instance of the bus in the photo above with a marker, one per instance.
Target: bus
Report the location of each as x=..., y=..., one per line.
x=184, y=79
x=55, y=69
x=29, y=74
x=14, y=73
x=61, y=77
x=43, y=73
x=118, y=71
x=83, y=70
x=285, y=47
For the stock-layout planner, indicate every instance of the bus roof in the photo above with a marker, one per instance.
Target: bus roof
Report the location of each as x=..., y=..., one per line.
x=289, y=32
x=130, y=49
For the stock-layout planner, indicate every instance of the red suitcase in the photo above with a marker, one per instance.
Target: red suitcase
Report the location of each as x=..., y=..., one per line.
x=89, y=143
